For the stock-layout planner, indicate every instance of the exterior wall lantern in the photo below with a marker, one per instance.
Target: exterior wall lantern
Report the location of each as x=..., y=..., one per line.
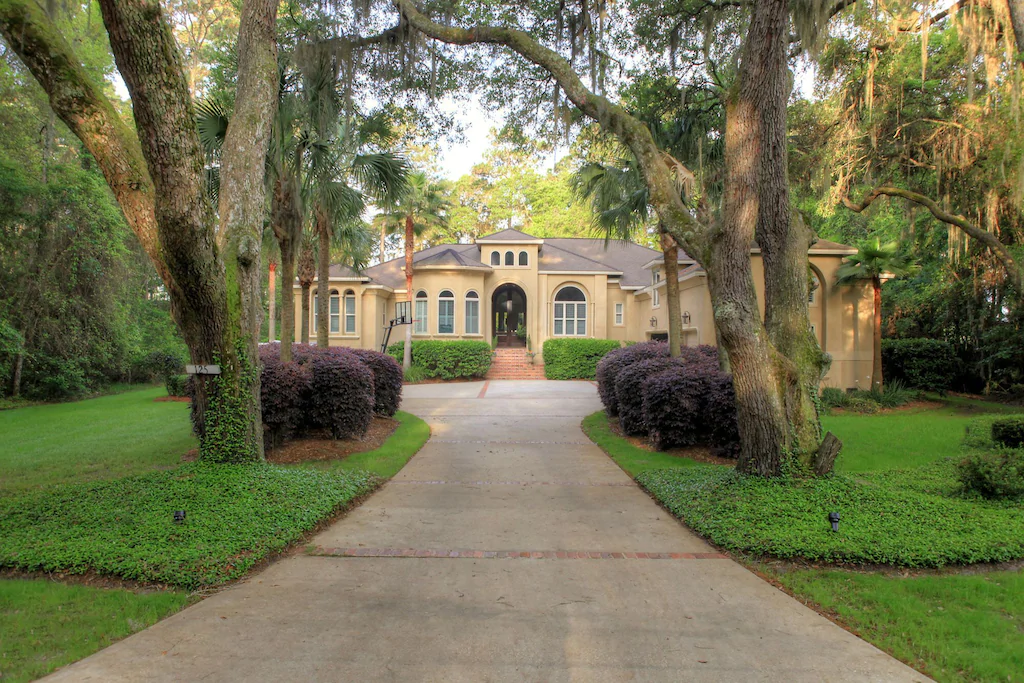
x=654, y=321
x=686, y=318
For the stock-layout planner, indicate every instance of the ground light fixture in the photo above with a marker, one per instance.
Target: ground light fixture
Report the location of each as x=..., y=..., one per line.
x=179, y=516
x=834, y=518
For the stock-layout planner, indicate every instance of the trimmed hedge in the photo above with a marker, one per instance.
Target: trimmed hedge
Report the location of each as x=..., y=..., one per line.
x=341, y=394
x=446, y=359
x=993, y=475
x=929, y=364
x=387, y=380
x=575, y=358
x=284, y=396
x=629, y=393
x=614, y=363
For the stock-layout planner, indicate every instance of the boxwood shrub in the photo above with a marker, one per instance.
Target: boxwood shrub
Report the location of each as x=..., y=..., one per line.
x=929, y=364
x=609, y=368
x=454, y=359
x=387, y=380
x=575, y=358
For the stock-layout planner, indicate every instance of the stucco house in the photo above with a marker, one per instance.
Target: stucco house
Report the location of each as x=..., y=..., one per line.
x=573, y=287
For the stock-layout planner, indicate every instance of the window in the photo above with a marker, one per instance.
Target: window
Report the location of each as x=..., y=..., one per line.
x=618, y=314
x=510, y=258
x=472, y=313
x=335, y=312
x=570, y=312
x=495, y=258
x=812, y=290
x=420, y=326
x=350, y=312
x=446, y=312
x=524, y=258
x=656, y=293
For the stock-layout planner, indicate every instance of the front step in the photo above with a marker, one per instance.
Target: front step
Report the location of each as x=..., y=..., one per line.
x=513, y=364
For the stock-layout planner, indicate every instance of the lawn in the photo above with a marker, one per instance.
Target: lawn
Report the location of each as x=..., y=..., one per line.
x=100, y=438
x=900, y=504
x=47, y=624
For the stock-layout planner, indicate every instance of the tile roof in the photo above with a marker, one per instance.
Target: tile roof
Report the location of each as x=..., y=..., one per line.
x=392, y=273
x=625, y=257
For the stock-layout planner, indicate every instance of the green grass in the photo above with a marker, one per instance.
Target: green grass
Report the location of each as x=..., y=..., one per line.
x=100, y=438
x=47, y=625
x=951, y=627
x=386, y=461
x=632, y=459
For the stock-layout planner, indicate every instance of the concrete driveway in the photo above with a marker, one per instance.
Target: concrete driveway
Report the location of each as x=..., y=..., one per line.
x=510, y=548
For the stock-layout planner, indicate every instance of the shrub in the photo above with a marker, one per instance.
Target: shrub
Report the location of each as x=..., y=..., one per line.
x=415, y=374
x=1008, y=432
x=177, y=385
x=893, y=394
x=860, y=404
x=993, y=475
x=690, y=403
x=341, y=394
x=929, y=364
x=630, y=396
x=832, y=397
x=284, y=396
x=575, y=358
x=447, y=359
x=619, y=362
x=387, y=380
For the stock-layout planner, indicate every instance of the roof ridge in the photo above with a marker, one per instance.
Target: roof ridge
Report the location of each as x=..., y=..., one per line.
x=585, y=258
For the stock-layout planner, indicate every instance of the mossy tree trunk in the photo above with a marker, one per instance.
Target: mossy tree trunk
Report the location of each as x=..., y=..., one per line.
x=670, y=250
x=323, y=280
x=158, y=180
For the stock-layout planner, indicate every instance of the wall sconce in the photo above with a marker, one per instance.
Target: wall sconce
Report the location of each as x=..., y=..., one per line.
x=654, y=321
x=686, y=318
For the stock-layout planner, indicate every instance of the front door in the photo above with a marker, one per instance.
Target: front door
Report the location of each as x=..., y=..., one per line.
x=508, y=315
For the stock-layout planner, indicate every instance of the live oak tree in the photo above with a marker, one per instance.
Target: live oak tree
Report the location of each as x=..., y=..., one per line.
x=776, y=363
x=208, y=257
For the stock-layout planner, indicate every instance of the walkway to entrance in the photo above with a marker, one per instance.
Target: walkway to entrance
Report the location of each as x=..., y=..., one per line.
x=509, y=549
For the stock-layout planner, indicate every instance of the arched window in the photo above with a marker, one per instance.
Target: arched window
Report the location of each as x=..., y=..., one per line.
x=570, y=312
x=446, y=312
x=350, y=312
x=495, y=258
x=334, y=312
x=510, y=258
x=472, y=313
x=814, y=285
x=524, y=258
x=420, y=317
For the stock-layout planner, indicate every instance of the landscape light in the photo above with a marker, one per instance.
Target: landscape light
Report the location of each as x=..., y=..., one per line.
x=179, y=516
x=834, y=518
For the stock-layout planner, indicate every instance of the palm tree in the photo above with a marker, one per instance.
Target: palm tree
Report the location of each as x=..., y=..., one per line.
x=421, y=208
x=873, y=261
x=306, y=275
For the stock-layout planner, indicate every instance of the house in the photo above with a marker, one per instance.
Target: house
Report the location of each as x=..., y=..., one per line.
x=510, y=282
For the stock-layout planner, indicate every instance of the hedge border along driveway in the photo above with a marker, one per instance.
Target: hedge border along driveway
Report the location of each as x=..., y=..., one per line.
x=575, y=358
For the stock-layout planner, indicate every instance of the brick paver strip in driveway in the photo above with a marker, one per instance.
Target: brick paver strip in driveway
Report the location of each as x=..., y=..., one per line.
x=509, y=549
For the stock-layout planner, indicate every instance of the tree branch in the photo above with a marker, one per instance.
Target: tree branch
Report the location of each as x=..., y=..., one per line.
x=80, y=104
x=998, y=249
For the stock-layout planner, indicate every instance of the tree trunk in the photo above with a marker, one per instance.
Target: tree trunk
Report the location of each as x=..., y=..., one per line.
x=271, y=301
x=19, y=363
x=323, y=284
x=876, y=356
x=784, y=242
x=409, y=246
x=287, y=299
x=383, y=241
x=1017, y=21
x=305, y=312
x=675, y=319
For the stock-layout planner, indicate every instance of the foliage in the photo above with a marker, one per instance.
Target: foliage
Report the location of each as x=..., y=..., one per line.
x=285, y=396
x=236, y=516
x=48, y=624
x=609, y=367
x=993, y=475
x=159, y=364
x=415, y=374
x=177, y=385
x=387, y=380
x=1008, y=432
x=390, y=457
x=831, y=397
x=567, y=358
x=341, y=394
x=629, y=393
x=929, y=364
x=952, y=627
x=453, y=359
x=631, y=457
x=886, y=518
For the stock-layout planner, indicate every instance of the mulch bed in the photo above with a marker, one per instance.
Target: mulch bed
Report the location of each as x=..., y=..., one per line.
x=176, y=399
x=319, y=446
x=698, y=453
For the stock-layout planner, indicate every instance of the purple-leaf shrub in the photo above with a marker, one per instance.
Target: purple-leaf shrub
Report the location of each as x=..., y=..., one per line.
x=615, y=362
x=387, y=380
x=630, y=396
x=341, y=394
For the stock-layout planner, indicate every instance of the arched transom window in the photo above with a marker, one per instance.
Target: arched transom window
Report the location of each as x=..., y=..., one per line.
x=472, y=313
x=420, y=314
x=446, y=312
x=570, y=312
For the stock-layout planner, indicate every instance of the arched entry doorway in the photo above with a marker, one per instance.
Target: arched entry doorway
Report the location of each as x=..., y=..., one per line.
x=508, y=314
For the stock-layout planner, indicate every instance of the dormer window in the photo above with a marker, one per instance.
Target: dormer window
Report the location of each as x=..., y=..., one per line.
x=510, y=258
x=495, y=258
x=524, y=258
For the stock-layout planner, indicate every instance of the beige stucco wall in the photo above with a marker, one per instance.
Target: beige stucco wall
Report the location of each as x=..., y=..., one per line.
x=840, y=316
